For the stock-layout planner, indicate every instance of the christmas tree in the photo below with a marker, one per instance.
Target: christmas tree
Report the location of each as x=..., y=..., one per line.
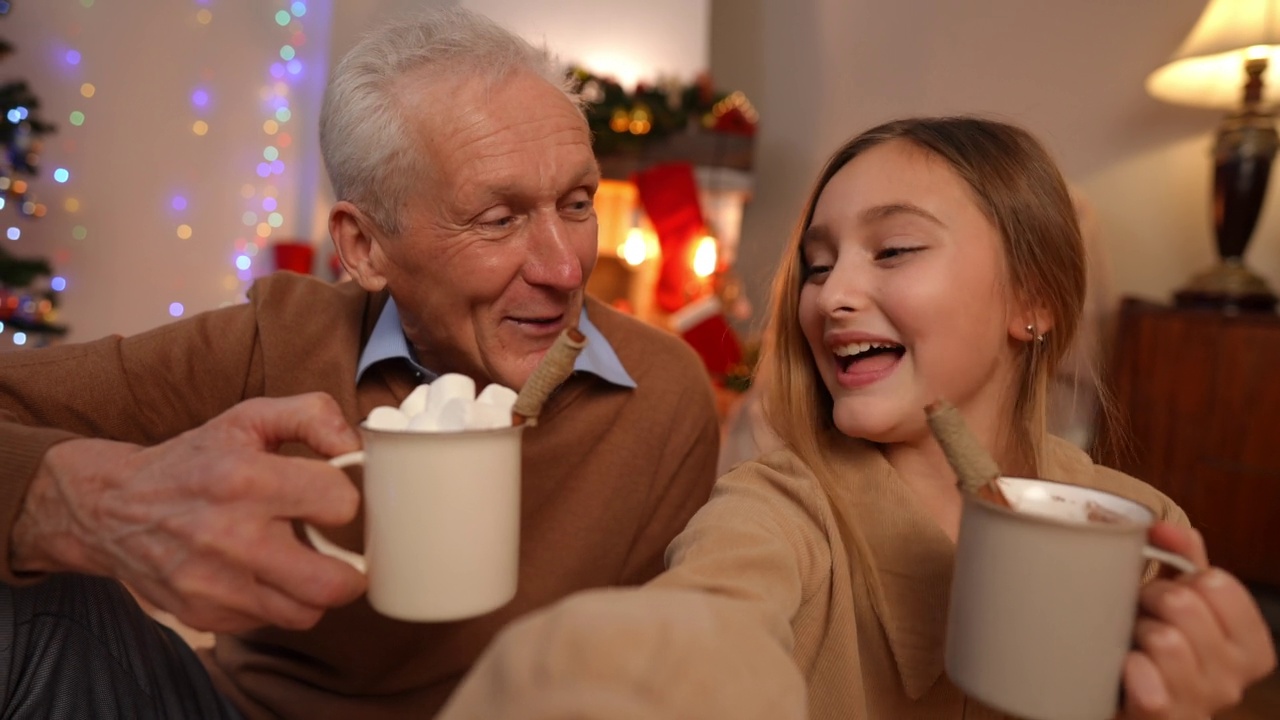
x=27, y=295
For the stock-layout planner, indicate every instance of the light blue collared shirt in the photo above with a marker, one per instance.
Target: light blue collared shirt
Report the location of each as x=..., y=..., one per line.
x=388, y=341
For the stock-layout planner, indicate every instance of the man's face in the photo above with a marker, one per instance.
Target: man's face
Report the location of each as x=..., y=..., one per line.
x=500, y=236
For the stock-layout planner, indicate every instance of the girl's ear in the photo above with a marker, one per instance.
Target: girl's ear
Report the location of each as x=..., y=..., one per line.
x=1030, y=324
x=356, y=245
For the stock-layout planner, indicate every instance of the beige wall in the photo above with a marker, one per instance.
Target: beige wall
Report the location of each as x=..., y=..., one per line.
x=820, y=71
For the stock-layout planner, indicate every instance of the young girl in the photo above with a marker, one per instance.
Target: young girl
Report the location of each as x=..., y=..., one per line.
x=936, y=258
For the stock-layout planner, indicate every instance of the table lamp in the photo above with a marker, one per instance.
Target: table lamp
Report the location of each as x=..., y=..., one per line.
x=1226, y=63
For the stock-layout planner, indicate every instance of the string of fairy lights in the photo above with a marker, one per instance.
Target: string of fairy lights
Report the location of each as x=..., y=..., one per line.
x=261, y=213
x=262, y=216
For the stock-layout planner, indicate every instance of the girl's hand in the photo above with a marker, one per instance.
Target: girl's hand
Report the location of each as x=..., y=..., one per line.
x=1200, y=639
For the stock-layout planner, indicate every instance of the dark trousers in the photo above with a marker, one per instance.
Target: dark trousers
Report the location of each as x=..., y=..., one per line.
x=75, y=646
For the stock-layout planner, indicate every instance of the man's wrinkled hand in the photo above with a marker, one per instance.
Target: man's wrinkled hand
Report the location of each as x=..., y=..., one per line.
x=201, y=525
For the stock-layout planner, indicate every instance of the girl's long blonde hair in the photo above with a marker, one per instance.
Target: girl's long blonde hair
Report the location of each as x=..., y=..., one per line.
x=1019, y=189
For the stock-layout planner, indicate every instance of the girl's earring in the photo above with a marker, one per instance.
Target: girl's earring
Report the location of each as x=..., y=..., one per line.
x=1031, y=334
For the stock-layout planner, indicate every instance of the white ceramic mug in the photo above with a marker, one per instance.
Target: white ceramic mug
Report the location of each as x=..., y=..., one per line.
x=1043, y=600
x=442, y=521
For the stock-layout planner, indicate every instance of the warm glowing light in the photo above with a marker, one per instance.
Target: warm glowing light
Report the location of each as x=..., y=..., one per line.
x=87, y=90
x=20, y=187
x=619, y=121
x=263, y=231
x=633, y=250
x=200, y=127
x=704, y=257
x=204, y=17
x=271, y=127
x=184, y=232
x=1257, y=52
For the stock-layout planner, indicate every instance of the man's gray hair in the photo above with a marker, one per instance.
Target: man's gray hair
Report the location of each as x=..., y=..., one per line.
x=366, y=133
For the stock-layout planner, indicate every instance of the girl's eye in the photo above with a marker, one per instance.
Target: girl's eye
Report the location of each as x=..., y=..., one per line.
x=811, y=271
x=891, y=253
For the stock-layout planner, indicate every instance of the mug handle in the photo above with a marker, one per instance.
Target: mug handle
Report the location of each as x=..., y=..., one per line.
x=322, y=544
x=1174, y=560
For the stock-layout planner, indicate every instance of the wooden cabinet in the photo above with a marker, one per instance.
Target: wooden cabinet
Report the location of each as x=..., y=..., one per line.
x=1201, y=391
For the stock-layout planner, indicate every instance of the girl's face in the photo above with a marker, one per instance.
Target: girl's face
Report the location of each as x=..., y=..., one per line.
x=905, y=299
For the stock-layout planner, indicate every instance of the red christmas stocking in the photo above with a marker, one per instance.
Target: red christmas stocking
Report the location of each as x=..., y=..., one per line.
x=669, y=195
x=703, y=325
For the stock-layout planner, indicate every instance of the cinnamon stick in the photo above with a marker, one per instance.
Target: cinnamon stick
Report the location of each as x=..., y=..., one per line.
x=553, y=369
x=976, y=471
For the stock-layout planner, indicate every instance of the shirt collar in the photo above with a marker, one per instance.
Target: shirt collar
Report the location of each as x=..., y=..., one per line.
x=387, y=342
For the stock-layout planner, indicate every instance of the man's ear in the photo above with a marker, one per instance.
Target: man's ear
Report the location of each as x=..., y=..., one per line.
x=356, y=241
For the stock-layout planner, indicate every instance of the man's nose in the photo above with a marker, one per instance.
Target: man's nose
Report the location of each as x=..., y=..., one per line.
x=552, y=260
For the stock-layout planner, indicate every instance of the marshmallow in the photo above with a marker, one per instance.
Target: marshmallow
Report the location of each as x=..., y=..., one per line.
x=449, y=404
x=483, y=416
x=453, y=415
x=499, y=396
x=450, y=386
x=416, y=402
x=386, y=417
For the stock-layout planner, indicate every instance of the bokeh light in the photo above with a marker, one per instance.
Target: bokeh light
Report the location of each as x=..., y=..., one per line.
x=176, y=309
x=58, y=283
x=200, y=127
x=184, y=232
x=76, y=118
x=87, y=90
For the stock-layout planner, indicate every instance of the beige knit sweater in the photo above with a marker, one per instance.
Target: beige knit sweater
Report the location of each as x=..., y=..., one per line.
x=769, y=610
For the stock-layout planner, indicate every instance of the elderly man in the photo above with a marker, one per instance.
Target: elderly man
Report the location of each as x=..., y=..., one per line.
x=179, y=460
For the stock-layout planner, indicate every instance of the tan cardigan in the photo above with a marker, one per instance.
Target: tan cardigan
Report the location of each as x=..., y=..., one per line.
x=764, y=598
x=611, y=474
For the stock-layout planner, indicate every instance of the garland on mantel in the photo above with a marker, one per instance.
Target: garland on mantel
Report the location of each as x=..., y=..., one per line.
x=625, y=123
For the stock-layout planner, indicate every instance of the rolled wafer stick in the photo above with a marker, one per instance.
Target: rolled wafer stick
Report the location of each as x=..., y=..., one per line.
x=975, y=469
x=547, y=376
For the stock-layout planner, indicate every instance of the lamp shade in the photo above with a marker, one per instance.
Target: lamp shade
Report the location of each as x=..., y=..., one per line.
x=1208, y=70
